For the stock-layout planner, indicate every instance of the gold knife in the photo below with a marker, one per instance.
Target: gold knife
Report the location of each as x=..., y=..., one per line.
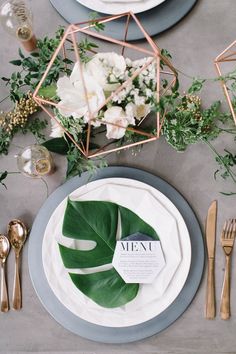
x=210, y=242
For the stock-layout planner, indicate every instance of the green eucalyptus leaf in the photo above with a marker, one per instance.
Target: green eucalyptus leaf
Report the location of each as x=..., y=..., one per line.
x=98, y=221
x=17, y=62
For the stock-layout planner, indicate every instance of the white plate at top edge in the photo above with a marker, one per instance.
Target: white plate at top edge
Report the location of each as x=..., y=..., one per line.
x=120, y=7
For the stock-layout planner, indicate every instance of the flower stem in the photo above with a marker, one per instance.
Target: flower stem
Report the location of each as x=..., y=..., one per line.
x=194, y=77
x=230, y=131
x=11, y=173
x=4, y=99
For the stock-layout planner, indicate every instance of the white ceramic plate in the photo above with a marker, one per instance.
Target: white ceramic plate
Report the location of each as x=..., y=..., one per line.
x=147, y=202
x=120, y=7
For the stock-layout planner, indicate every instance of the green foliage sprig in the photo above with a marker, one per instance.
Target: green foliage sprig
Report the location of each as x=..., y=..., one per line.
x=32, y=67
x=226, y=165
x=188, y=123
x=226, y=162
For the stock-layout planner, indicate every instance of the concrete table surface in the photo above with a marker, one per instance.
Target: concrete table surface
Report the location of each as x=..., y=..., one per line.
x=194, y=43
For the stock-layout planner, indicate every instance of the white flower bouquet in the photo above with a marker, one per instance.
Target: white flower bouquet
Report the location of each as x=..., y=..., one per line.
x=104, y=98
x=82, y=94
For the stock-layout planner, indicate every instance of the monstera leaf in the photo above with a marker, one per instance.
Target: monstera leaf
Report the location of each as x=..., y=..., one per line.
x=98, y=221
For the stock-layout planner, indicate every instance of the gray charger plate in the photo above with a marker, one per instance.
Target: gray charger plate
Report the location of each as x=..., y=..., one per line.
x=109, y=334
x=155, y=21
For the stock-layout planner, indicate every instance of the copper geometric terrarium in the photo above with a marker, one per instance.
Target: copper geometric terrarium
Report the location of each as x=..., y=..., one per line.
x=70, y=50
x=224, y=63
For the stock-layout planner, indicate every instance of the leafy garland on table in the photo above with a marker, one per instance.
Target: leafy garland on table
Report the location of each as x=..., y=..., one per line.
x=186, y=121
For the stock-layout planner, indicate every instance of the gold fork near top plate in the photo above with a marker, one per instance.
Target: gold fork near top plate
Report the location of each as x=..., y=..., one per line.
x=227, y=243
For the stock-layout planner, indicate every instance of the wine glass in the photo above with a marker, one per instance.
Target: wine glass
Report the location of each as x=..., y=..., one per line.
x=35, y=161
x=16, y=18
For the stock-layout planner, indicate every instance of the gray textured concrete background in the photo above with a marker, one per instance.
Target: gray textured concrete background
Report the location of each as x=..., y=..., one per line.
x=194, y=43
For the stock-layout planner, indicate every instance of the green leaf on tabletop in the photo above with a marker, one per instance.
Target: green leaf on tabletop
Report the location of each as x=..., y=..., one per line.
x=98, y=221
x=105, y=288
x=175, y=88
x=3, y=176
x=57, y=145
x=196, y=86
x=17, y=62
x=48, y=92
x=5, y=79
x=228, y=194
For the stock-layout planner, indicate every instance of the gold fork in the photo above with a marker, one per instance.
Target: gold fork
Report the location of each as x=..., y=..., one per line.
x=227, y=243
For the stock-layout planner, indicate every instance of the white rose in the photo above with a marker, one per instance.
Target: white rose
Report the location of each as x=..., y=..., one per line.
x=73, y=100
x=103, y=65
x=56, y=129
x=120, y=121
x=137, y=111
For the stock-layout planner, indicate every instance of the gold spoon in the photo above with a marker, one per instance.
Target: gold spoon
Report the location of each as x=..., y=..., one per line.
x=4, y=250
x=17, y=233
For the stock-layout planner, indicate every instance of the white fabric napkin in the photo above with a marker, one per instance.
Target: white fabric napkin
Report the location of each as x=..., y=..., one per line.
x=161, y=214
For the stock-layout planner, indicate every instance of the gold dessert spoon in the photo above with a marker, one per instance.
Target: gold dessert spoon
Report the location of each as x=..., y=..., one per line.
x=4, y=250
x=17, y=233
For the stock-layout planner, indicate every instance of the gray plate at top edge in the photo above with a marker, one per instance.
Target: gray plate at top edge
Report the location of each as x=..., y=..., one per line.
x=155, y=21
x=110, y=334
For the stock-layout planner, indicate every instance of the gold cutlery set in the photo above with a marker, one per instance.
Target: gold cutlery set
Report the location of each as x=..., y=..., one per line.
x=16, y=236
x=228, y=235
